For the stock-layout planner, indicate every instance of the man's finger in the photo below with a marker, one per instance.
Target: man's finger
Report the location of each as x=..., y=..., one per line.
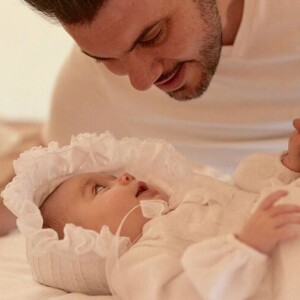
x=296, y=124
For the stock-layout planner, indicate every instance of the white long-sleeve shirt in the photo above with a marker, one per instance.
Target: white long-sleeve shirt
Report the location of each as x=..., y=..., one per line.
x=247, y=108
x=192, y=253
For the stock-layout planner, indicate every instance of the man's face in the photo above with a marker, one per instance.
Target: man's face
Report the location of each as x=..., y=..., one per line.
x=173, y=44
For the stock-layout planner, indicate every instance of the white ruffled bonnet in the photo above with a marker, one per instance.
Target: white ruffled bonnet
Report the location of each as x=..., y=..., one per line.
x=77, y=263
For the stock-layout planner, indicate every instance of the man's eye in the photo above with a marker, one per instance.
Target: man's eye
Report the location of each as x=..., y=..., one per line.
x=153, y=35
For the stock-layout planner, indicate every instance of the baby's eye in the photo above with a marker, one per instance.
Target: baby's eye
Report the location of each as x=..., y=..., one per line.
x=98, y=188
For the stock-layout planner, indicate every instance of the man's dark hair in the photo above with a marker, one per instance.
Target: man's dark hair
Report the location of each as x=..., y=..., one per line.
x=69, y=12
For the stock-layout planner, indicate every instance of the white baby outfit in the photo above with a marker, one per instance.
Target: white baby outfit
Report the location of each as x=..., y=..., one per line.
x=188, y=251
x=192, y=253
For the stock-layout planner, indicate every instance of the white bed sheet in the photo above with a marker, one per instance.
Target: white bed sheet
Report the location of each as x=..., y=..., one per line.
x=15, y=277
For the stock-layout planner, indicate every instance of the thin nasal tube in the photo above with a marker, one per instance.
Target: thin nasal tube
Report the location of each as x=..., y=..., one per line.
x=112, y=260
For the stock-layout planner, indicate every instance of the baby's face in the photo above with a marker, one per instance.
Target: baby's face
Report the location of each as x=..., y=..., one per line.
x=92, y=200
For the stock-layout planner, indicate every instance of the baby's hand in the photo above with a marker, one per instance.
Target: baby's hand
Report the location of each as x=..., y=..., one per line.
x=292, y=159
x=270, y=224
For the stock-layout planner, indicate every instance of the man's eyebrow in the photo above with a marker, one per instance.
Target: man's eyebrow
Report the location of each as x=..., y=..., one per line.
x=133, y=45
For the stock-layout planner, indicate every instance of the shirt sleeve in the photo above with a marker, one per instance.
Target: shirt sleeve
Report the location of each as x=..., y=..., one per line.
x=224, y=268
x=254, y=172
x=219, y=268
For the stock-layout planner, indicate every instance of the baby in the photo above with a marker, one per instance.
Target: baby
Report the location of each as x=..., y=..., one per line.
x=168, y=235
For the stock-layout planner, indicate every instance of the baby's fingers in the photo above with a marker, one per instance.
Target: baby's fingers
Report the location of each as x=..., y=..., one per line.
x=284, y=209
x=287, y=233
x=287, y=219
x=271, y=199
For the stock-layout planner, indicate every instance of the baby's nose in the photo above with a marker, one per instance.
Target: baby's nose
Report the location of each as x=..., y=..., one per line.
x=126, y=178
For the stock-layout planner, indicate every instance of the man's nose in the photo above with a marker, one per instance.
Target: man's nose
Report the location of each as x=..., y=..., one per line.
x=143, y=71
x=126, y=178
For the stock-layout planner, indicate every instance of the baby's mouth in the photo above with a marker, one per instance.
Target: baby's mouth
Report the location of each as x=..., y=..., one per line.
x=142, y=187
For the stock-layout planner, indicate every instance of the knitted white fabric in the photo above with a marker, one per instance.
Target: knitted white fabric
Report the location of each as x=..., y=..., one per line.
x=77, y=263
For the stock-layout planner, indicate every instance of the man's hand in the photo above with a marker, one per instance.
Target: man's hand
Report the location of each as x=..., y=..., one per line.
x=292, y=159
x=271, y=224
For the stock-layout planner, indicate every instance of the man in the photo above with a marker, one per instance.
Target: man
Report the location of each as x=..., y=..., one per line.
x=172, y=48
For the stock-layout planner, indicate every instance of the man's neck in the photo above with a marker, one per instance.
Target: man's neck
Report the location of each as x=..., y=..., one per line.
x=231, y=13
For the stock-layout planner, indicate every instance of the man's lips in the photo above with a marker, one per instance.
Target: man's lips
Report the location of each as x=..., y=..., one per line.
x=163, y=81
x=174, y=81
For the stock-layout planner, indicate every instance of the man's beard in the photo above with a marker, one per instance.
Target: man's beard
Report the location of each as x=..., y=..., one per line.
x=209, y=53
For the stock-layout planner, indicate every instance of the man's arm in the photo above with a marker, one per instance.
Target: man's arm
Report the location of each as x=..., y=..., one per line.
x=7, y=219
x=292, y=158
x=255, y=171
x=29, y=136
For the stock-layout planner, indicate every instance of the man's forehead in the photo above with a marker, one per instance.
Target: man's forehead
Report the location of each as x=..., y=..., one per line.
x=118, y=23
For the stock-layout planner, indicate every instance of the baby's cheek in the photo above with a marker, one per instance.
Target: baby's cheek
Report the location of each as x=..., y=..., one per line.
x=125, y=203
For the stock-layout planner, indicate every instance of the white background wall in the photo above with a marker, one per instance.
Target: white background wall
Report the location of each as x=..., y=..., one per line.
x=31, y=52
